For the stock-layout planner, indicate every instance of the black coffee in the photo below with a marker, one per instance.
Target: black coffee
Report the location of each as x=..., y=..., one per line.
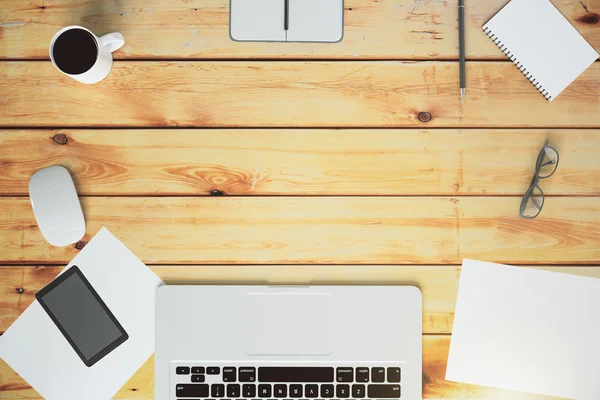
x=75, y=51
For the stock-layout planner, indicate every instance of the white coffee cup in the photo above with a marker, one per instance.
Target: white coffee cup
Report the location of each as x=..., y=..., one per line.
x=84, y=56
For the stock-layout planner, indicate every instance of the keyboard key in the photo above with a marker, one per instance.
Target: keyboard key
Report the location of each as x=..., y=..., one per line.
x=296, y=390
x=249, y=391
x=280, y=391
x=182, y=370
x=384, y=391
x=358, y=391
x=198, y=378
x=264, y=390
x=233, y=389
x=247, y=374
x=311, y=391
x=362, y=374
x=342, y=391
x=327, y=391
x=393, y=375
x=345, y=374
x=295, y=374
x=378, y=374
x=217, y=390
x=198, y=370
x=187, y=390
x=229, y=374
x=213, y=370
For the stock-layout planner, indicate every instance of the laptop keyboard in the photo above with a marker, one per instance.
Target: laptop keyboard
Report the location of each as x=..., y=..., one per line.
x=197, y=381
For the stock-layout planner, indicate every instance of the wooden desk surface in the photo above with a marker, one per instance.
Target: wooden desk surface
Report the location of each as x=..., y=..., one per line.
x=330, y=175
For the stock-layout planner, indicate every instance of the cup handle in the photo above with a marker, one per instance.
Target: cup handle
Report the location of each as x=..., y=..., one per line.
x=112, y=41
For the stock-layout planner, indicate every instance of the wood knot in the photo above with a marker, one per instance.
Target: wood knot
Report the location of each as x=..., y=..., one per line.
x=589, y=19
x=217, y=193
x=42, y=7
x=81, y=244
x=424, y=116
x=60, y=138
x=20, y=290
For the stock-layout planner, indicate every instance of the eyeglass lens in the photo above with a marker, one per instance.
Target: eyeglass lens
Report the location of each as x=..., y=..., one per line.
x=533, y=202
x=547, y=162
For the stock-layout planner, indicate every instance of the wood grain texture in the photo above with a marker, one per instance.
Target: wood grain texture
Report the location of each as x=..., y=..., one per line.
x=272, y=236
x=153, y=29
x=439, y=284
x=321, y=230
x=296, y=94
x=435, y=355
x=302, y=162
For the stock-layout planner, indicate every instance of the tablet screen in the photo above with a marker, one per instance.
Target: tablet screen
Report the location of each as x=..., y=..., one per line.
x=81, y=315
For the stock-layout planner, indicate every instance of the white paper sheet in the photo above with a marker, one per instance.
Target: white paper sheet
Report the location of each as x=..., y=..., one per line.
x=527, y=330
x=34, y=347
x=257, y=20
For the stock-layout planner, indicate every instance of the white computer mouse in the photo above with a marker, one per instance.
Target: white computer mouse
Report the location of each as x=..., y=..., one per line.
x=56, y=206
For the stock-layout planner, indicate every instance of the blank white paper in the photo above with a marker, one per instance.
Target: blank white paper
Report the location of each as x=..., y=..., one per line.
x=316, y=21
x=258, y=20
x=526, y=330
x=34, y=347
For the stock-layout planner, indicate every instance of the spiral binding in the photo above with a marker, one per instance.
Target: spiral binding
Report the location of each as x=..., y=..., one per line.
x=521, y=67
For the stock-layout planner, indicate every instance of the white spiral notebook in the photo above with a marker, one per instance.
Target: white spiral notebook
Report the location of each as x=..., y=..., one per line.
x=540, y=41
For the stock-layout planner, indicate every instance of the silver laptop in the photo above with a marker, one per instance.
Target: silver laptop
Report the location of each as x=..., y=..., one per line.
x=288, y=342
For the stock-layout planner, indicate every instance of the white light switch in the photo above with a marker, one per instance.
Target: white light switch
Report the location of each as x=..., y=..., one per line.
x=309, y=20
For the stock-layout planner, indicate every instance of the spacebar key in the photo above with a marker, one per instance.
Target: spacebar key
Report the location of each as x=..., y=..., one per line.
x=295, y=374
x=191, y=390
x=383, y=391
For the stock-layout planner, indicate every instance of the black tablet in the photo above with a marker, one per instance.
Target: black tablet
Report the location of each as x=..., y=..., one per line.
x=81, y=315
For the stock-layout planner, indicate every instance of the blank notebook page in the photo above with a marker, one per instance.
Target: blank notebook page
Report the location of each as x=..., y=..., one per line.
x=542, y=44
x=257, y=20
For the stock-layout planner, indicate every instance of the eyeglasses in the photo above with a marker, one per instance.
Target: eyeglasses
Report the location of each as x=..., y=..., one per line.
x=546, y=165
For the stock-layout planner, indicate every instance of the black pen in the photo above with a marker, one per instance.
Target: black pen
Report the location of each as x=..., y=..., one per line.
x=461, y=44
x=286, y=20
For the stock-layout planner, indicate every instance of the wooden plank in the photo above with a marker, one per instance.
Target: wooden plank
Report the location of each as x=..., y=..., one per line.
x=321, y=94
x=400, y=29
x=321, y=230
x=302, y=162
x=435, y=355
x=439, y=284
